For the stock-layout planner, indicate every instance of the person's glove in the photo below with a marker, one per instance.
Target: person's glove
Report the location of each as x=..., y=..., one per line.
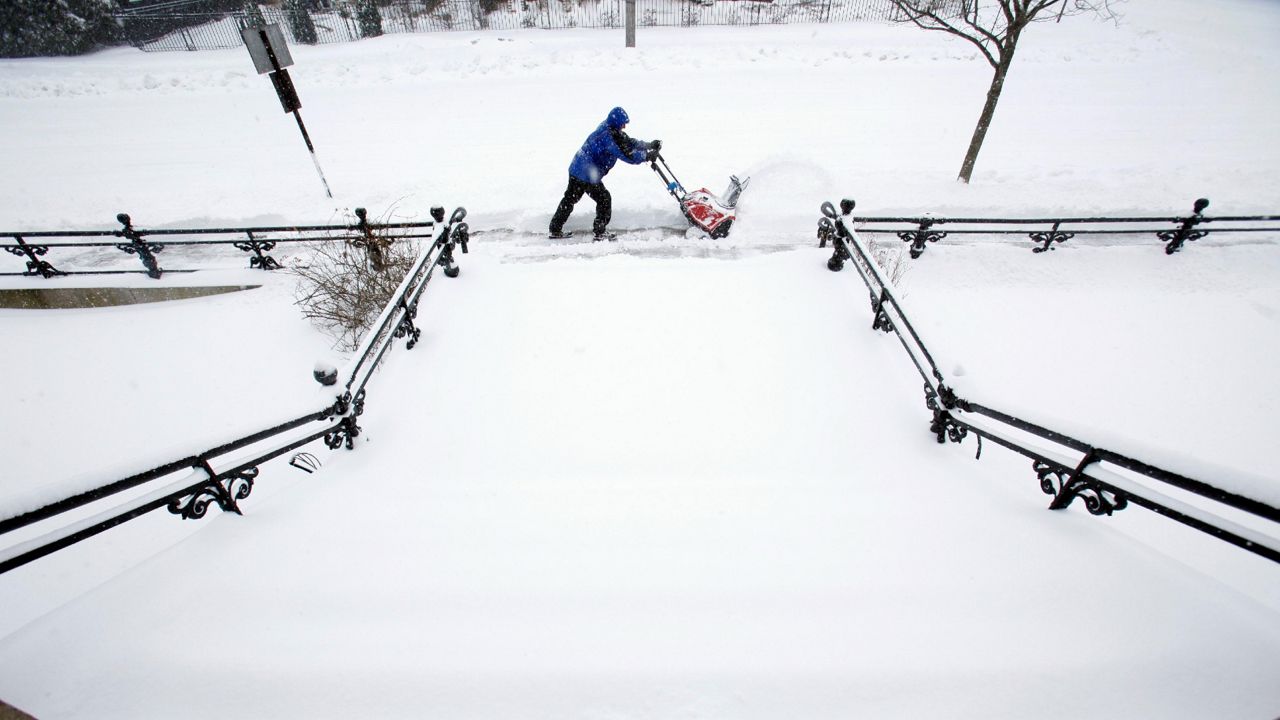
x=654, y=147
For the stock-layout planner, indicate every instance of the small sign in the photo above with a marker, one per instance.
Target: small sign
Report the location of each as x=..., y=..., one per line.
x=267, y=47
x=270, y=54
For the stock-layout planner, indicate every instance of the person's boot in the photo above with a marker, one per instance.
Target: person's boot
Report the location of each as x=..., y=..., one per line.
x=604, y=235
x=559, y=235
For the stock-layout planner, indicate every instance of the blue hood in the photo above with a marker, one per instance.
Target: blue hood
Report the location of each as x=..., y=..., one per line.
x=617, y=118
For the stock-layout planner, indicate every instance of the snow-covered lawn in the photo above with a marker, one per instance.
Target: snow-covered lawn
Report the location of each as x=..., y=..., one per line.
x=660, y=478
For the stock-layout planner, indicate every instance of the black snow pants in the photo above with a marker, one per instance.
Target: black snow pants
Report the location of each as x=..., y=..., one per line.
x=574, y=193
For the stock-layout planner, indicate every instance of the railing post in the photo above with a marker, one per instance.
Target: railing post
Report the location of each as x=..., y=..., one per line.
x=1049, y=238
x=943, y=426
x=256, y=246
x=348, y=429
x=918, y=238
x=827, y=230
x=839, y=253
x=1176, y=238
x=137, y=246
x=34, y=263
x=373, y=245
x=456, y=233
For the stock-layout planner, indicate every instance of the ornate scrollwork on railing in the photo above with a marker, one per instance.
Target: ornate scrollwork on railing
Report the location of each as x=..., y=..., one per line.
x=917, y=238
x=459, y=236
x=882, y=321
x=1047, y=239
x=1176, y=238
x=1065, y=485
x=259, y=248
x=33, y=253
x=346, y=432
x=943, y=426
x=839, y=251
x=139, y=248
x=826, y=232
x=406, y=327
x=227, y=492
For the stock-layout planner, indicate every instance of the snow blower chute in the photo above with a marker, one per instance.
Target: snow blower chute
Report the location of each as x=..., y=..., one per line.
x=713, y=215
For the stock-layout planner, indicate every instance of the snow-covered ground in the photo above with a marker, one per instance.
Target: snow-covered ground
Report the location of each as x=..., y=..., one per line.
x=668, y=477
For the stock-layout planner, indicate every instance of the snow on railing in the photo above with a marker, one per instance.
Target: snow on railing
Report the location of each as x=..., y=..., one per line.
x=1045, y=233
x=1067, y=468
x=225, y=474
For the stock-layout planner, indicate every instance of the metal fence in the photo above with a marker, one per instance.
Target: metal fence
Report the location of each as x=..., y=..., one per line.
x=1067, y=468
x=175, y=26
x=1047, y=233
x=225, y=475
x=97, y=252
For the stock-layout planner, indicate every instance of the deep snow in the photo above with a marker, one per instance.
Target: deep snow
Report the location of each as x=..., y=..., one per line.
x=647, y=511
x=655, y=478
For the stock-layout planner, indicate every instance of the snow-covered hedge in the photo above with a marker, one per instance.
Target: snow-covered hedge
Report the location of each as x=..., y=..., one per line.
x=30, y=28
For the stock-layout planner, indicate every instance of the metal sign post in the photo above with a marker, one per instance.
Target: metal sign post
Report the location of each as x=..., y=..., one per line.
x=631, y=23
x=270, y=54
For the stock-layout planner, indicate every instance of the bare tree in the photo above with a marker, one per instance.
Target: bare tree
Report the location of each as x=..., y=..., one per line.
x=994, y=26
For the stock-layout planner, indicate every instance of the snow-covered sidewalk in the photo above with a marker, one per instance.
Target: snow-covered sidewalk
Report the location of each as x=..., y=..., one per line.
x=672, y=477
x=720, y=502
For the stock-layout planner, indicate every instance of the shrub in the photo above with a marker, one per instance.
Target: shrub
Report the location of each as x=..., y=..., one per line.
x=33, y=28
x=368, y=18
x=300, y=22
x=891, y=259
x=341, y=292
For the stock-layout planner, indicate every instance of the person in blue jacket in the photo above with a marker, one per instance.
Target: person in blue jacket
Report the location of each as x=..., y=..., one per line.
x=603, y=147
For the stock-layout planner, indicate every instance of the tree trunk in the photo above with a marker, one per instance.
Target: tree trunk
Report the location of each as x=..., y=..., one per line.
x=989, y=110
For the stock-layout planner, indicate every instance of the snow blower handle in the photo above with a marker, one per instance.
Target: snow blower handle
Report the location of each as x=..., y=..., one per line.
x=664, y=171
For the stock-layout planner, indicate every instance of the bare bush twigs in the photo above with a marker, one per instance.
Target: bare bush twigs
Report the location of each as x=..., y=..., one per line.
x=891, y=260
x=341, y=292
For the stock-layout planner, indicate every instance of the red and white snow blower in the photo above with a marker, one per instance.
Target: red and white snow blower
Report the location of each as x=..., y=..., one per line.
x=713, y=215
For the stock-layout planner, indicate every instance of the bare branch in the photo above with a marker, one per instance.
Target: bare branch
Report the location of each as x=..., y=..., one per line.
x=921, y=14
x=972, y=16
x=1010, y=14
x=1038, y=7
x=340, y=291
x=1101, y=8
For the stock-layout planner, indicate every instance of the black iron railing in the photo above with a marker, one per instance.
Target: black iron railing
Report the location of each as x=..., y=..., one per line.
x=36, y=248
x=1067, y=468
x=1047, y=233
x=193, y=26
x=225, y=474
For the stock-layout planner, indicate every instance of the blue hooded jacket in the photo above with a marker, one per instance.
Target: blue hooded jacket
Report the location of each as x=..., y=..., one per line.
x=606, y=146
